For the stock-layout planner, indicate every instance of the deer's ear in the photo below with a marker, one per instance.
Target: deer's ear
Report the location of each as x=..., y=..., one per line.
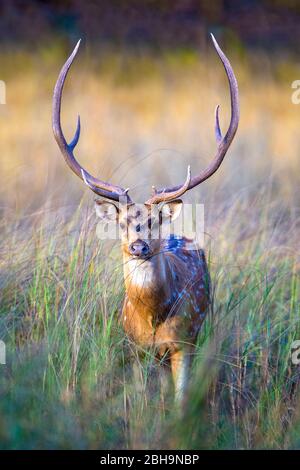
x=170, y=211
x=107, y=211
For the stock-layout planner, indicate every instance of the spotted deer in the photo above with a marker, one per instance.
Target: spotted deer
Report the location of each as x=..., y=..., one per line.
x=166, y=278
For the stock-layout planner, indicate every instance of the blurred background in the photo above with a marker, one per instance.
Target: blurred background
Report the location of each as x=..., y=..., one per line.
x=145, y=83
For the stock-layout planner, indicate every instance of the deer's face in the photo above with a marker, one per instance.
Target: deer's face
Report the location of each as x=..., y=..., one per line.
x=140, y=225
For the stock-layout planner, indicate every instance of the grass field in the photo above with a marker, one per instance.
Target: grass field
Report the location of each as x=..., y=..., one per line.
x=68, y=381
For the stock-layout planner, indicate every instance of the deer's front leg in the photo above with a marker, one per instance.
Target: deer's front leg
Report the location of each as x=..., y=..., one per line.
x=180, y=365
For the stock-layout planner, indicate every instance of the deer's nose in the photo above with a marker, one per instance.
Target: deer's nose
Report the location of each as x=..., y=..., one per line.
x=139, y=248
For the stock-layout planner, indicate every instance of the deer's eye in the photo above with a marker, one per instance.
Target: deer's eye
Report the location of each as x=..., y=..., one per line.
x=138, y=228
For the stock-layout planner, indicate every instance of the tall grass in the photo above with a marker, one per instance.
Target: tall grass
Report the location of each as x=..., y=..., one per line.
x=68, y=381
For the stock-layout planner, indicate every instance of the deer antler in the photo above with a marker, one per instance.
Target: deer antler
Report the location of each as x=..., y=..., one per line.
x=223, y=143
x=114, y=192
x=162, y=196
x=99, y=187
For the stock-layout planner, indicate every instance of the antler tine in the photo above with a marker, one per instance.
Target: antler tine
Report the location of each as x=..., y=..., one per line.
x=218, y=132
x=170, y=196
x=99, y=187
x=222, y=142
x=75, y=139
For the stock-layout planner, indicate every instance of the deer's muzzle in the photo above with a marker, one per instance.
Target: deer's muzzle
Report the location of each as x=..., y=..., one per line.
x=139, y=248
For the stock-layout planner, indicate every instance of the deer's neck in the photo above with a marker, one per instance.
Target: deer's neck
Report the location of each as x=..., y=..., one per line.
x=146, y=281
